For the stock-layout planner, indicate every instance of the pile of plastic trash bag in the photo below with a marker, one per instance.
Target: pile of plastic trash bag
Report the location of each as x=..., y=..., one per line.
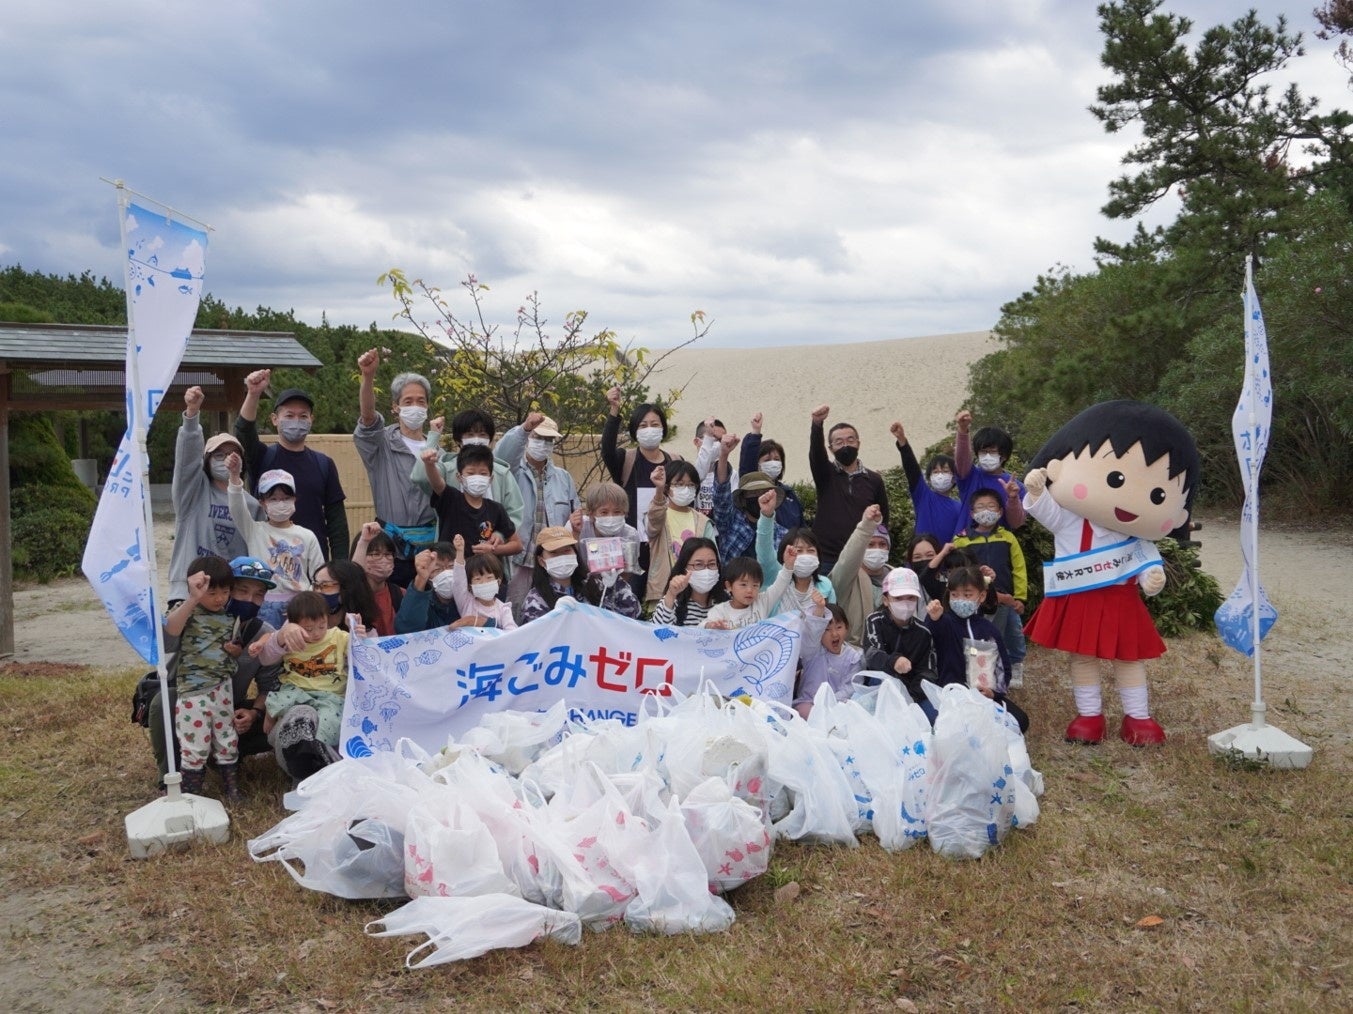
x=535, y=824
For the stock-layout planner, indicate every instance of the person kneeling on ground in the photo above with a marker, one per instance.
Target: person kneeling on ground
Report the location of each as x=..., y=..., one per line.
x=305, y=712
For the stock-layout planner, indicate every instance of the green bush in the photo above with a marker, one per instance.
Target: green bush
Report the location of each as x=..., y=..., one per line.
x=49, y=532
x=50, y=509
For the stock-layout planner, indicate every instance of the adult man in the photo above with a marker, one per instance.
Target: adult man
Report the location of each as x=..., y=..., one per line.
x=844, y=486
x=548, y=492
x=389, y=454
x=319, y=493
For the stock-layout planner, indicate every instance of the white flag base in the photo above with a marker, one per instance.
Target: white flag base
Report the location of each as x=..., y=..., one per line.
x=1259, y=741
x=174, y=820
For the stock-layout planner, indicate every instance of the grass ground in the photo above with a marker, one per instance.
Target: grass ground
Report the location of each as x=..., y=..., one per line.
x=1159, y=878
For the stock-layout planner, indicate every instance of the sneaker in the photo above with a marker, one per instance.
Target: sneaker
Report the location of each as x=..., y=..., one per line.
x=1016, y=676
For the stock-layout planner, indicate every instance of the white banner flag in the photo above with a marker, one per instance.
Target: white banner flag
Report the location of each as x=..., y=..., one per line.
x=439, y=683
x=1250, y=426
x=165, y=262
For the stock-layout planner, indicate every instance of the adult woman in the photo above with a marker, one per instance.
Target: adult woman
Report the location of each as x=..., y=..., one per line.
x=346, y=589
x=202, y=523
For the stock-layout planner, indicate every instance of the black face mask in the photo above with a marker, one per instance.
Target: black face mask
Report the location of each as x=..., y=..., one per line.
x=333, y=600
x=242, y=610
x=845, y=456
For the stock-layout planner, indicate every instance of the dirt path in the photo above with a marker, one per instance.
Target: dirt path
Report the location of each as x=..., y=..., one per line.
x=1303, y=574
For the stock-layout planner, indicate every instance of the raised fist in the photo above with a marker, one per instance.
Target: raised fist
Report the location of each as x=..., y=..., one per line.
x=767, y=503
x=874, y=514
x=234, y=464
x=964, y=421
x=898, y=432
x=430, y=455
x=533, y=419
x=368, y=361
x=370, y=529
x=257, y=381
x=438, y=425
x=613, y=398
x=729, y=441
x=756, y=423
x=820, y=414
x=197, y=586
x=192, y=400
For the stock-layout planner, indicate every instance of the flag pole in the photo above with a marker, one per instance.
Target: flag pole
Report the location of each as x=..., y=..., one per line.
x=176, y=819
x=1257, y=740
x=136, y=422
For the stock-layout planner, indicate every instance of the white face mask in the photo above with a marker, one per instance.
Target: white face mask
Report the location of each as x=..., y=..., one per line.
x=988, y=462
x=649, y=437
x=468, y=441
x=485, y=591
x=561, y=567
x=985, y=519
x=804, y=565
x=538, y=449
x=772, y=467
x=683, y=496
x=219, y=472
x=280, y=510
x=902, y=609
x=875, y=558
x=609, y=526
x=941, y=482
x=704, y=581
x=441, y=584
x=413, y=416
x=475, y=485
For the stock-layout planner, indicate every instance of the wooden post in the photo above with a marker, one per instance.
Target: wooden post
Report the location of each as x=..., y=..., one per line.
x=6, y=534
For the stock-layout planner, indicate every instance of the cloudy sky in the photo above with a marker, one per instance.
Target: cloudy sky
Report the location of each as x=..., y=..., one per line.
x=803, y=172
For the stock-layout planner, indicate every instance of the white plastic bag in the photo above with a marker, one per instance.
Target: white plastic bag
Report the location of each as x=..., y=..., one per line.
x=822, y=802
x=459, y=928
x=972, y=798
x=449, y=852
x=728, y=834
x=672, y=890
x=516, y=738
x=907, y=724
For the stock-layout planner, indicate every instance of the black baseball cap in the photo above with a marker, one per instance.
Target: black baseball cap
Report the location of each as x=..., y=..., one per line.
x=293, y=394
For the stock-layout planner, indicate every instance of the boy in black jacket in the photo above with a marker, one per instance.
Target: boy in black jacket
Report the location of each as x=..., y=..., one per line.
x=896, y=643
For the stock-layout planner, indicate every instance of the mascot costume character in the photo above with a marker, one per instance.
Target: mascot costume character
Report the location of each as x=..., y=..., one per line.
x=1108, y=485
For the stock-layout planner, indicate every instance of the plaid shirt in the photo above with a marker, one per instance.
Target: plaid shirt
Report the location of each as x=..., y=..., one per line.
x=737, y=535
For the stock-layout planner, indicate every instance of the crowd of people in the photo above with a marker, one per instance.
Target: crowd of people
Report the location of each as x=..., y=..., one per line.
x=267, y=582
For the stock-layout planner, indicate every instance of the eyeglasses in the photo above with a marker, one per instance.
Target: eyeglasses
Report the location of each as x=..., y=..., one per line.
x=714, y=565
x=323, y=585
x=257, y=571
x=845, y=442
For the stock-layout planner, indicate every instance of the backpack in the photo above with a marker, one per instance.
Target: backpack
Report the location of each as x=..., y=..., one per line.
x=149, y=685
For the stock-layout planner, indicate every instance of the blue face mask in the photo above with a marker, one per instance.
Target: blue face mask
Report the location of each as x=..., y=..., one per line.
x=333, y=600
x=242, y=610
x=963, y=608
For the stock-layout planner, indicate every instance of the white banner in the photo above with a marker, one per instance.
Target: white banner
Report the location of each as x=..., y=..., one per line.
x=439, y=683
x=1250, y=426
x=1098, y=568
x=165, y=262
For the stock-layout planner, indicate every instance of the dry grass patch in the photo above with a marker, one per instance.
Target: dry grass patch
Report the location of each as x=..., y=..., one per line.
x=1247, y=871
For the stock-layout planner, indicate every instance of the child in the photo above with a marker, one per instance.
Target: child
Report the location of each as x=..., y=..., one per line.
x=428, y=601
x=994, y=447
x=557, y=572
x=307, y=706
x=204, y=714
x=808, y=576
x=894, y=642
x=291, y=552
x=484, y=576
x=959, y=623
x=374, y=552
x=608, y=506
x=857, y=577
x=747, y=603
x=996, y=547
x=835, y=663
x=696, y=584
x=936, y=509
x=482, y=523
x=671, y=520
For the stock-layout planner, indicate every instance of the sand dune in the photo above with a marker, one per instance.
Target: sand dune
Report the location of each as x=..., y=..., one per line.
x=920, y=381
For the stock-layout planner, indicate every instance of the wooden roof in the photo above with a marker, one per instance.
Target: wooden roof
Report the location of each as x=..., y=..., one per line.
x=75, y=345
